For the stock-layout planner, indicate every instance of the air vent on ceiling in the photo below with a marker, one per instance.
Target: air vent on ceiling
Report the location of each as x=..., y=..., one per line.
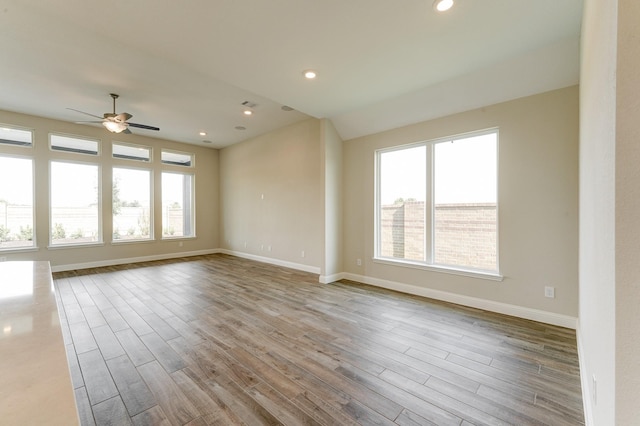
x=249, y=104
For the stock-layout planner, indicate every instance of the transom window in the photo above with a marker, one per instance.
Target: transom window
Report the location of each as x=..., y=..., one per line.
x=79, y=145
x=131, y=152
x=176, y=158
x=15, y=136
x=436, y=203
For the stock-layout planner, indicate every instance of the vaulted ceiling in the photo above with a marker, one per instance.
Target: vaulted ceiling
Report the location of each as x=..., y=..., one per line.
x=187, y=67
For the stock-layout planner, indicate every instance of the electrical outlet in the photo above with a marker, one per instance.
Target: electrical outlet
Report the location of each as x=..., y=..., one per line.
x=268, y=248
x=302, y=253
x=550, y=292
x=359, y=262
x=261, y=246
x=595, y=390
x=245, y=244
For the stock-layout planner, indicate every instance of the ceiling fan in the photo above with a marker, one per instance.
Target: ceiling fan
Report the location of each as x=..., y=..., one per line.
x=115, y=123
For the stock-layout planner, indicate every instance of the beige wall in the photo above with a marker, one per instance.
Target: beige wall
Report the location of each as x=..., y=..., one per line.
x=538, y=202
x=206, y=178
x=628, y=214
x=271, y=192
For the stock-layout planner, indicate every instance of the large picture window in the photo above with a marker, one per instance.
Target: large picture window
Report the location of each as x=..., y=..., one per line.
x=177, y=205
x=16, y=203
x=75, y=203
x=131, y=204
x=437, y=203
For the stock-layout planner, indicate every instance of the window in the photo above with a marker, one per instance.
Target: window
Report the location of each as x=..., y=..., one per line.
x=437, y=203
x=131, y=152
x=16, y=203
x=131, y=204
x=75, y=203
x=15, y=136
x=176, y=158
x=74, y=144
x=177, y=205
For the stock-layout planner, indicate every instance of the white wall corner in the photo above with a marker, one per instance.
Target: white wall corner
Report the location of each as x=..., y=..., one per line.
x=272, y=261
x=327, y=279
x=584, y=379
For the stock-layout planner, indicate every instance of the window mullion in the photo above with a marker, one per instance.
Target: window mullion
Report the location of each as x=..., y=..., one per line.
x=428, y=208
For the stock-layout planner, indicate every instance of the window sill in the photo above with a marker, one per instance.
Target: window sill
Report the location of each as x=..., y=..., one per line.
x=6, y=250
x=79, y=245
x=132, y=241
x=486, y=275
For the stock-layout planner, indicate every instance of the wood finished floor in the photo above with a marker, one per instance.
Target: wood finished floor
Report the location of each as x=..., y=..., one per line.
x=220, y=340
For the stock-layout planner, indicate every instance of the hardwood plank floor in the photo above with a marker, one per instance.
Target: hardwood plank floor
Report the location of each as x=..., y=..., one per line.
x=220, y=340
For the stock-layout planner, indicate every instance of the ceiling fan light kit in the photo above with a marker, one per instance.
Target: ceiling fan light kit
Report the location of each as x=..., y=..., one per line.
x=442, y=5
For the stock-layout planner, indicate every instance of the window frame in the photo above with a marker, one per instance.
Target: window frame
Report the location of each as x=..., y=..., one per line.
x=151, y=237
x=100, y=241
x=34, y=245
x=192, y=205
x=191, y=155
x=98, y=142
x=9, y=143
x=429, y=220
x=132, y=158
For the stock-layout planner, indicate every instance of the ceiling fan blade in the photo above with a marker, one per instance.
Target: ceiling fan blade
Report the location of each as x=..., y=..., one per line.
x=109, y=115
x=122, y=117
x=143, y=126
x=86, y=113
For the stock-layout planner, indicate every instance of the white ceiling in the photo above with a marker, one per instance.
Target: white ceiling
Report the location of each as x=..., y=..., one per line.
x=187, y=66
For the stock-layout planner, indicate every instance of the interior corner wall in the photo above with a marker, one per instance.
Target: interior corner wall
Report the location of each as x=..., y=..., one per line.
x=538, y=203
x=597, y=324
x=627, y=206
x=332, y=170
x=270, y=197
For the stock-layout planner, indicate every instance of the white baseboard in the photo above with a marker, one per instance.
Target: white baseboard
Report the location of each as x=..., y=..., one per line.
x=584, y=380
x=113, y=262
x=326, y=279
x=277, y=262
x=473, y=302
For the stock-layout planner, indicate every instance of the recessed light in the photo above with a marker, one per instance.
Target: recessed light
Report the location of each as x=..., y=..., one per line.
x=442, y=5
x=203, y=133
x=309, y=74
x=247, y=112
x=241, y=128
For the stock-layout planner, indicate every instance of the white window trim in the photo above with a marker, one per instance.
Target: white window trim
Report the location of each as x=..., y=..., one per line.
x=151, y=205
x=24, y=129
x=100, y=241
x=79, y=137
x=34, y=246
x=173, y=151
x=429, y=240
x=133, y=145
x=193, y=206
